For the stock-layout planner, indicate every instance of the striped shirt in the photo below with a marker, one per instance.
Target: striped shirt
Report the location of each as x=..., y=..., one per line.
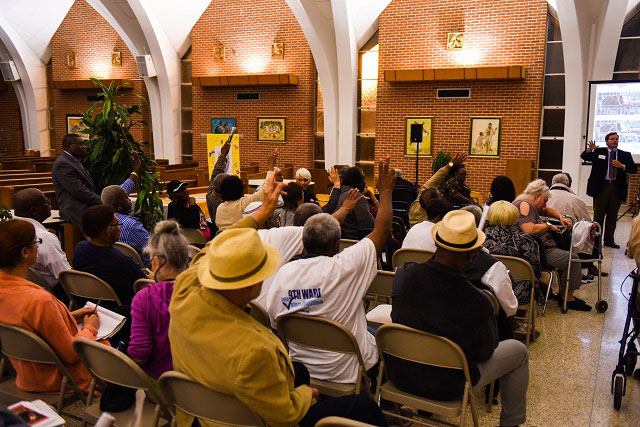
x=132, y=232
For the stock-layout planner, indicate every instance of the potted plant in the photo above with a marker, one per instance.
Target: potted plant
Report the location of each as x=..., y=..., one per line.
x=440, y=160
x=110, y=149
x=5, y=213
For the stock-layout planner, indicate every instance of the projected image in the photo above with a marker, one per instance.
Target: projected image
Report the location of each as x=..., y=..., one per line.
x=617, y=109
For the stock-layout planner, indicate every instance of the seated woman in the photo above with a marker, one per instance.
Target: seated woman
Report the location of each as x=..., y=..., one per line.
x=504, y=237
x=303, y=179
x=27, y=305
x=149, y=344
x=293, y=198
x=502, y=188
x=234, y=201
x=360, y=219
x=455, y=189
x=531, y=204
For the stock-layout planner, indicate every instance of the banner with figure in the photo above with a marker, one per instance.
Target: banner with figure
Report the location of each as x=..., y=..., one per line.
x=214, y=144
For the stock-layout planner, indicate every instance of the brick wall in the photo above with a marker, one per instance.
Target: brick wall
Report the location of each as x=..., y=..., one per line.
x=86, y=33
x=11, y=138
x=254, y=26
x=413, y=35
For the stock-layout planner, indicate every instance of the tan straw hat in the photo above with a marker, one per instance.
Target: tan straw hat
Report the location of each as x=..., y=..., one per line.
x=236, y=259
x=457, y=232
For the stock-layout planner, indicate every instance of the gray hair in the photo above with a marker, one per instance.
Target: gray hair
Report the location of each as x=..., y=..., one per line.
x=168, y=243
x=304, y=212
x=321, y=234
x=398, y=172
x=534, y=189
x=303, y=173
x=560, y=178
x=475, y=210
x=110, y=194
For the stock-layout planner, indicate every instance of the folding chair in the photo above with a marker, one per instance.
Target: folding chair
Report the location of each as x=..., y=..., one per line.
x=427, y=349
x=381, y=286
x=130, y=252
x=496, y=309
x=193, y=236
x=22, y=344
x=140, y=284
x=340, y=422
x=345, y=243
x=86, y=285
x=324, y=334
x=404, y=255
x=521, y=270
x=260, y=314
x=199, y=401
x=35, y=277
x=108, y=364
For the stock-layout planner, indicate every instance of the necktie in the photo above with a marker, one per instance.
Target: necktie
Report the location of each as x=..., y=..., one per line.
x=612, y=168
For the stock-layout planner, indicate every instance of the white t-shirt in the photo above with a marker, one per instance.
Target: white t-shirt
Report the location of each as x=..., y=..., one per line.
x=333, y=288
x=419, y=237
x=51, y=258
x=288, y=241
x=497, y=278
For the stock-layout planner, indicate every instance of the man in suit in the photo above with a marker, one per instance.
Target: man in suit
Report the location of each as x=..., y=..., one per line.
x=608, y=182
x=75, y=190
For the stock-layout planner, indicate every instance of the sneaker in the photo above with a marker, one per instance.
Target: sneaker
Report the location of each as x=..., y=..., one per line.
x=578, y=305
x=587, y=278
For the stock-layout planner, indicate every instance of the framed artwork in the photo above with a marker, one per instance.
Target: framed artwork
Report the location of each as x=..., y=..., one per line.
x=272, y=129
x=222, y=125
x=116, y=58
x=418, y=128
x=277, y=50
x=484, y=136
x=71, y=60
x=218, y=53
x=455, y=41
x=75, y=125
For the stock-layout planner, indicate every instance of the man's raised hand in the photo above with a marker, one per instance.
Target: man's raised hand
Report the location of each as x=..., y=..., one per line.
x=386, y=176
x=592, y=146
x=459, y=159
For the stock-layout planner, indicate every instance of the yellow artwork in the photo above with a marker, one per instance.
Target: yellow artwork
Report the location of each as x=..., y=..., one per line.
x=272, y=129
x=71, y=60
x=116, y=58
x=277, y=50
x=420, y=136
x=215, y=141
x=455, y=41
x=218, y=53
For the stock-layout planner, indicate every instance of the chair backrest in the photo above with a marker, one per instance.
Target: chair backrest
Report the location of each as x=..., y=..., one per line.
x=416, y=346
x=193, y=251
x=35, y=277
x=130, y=252
x=111, y=365
x=200, y=401
x=519, y=268
x=260, y=314
x=86, y=285
x=340, y=422
x=140, y=284
x=345, y=243
x=494, y=301
x=404, y=255
x=193, y=236
x=382, y=284
x=23, y=344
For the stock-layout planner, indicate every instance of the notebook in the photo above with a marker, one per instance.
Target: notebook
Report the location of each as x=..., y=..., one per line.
x=110, y=322
x=37, y=413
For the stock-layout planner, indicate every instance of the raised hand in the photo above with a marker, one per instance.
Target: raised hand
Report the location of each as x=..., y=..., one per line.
x=386, y=176
x=334, y=177
x=224, y=151
x=273, y=158
x=592, y=146
x=459, y=159
x=271, y=189
x=137, y=163
x=353, y=196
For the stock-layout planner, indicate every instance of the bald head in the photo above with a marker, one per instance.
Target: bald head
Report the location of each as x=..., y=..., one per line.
x=116, y=197
x=304, y=212
x=32, y=203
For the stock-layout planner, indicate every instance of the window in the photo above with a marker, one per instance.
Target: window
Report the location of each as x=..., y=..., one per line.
x=627, y=65
x=186, y=109
x=367, y=98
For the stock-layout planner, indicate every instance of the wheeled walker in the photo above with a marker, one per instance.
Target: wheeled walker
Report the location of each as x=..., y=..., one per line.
x=628, y=351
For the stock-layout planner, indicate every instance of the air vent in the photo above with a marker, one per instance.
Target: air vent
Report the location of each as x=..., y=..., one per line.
x=454, y=93
x=95, y=98
x=247, y=96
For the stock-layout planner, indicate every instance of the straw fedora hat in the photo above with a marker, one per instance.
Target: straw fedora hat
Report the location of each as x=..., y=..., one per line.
x=457, y=232
x=236, y=259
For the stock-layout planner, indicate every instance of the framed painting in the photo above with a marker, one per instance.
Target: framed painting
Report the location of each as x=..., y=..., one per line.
x=272, y=129
x=222, y=125
x=417, y=136
x=484, y=136
x=75, y=125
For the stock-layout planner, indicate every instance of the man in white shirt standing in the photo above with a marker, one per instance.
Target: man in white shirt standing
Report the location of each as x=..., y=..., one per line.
x=328, y=284
x=33, y=206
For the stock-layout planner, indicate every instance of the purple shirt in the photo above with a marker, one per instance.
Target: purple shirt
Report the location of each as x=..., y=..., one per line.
x=150, y=328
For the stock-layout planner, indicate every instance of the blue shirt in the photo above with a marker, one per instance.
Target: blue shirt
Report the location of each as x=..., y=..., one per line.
x=133, y=233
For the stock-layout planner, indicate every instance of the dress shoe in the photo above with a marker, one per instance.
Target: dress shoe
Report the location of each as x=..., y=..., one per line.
x=612, y=245
x=594, y=271
x=578, y=304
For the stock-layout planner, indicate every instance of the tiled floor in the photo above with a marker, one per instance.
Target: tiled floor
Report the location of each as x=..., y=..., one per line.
x=572, y=361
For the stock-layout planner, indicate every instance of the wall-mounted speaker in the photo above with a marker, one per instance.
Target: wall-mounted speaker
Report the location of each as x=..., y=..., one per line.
x=416, y=132
x=145, y=66
x=9, y=71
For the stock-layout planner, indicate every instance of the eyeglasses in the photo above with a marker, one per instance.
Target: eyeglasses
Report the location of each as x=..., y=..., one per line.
x=37, y=242
x=117, y=224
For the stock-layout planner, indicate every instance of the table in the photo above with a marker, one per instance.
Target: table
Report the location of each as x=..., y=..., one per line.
x=54, y=222
x=201, y=200
x=259, y=181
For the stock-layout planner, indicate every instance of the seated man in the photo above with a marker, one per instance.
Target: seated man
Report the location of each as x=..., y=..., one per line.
x=33, y=206
x=566, y=201
x=215, y=342
x=419, y=236
x=132, y=232
x=325, y=283
x=98, y=256
x=455, y=188
x=436, y=297
x=404, y=191
x=184, y=209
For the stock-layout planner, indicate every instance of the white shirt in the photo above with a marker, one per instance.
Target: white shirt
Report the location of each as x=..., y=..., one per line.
x=419, y=237
x=51, y=258
x=288, y=241
x=333, y=288
x=497, y=278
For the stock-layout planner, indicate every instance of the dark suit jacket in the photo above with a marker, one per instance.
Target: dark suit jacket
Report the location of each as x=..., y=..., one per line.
x=75, y=190
x=600, y=161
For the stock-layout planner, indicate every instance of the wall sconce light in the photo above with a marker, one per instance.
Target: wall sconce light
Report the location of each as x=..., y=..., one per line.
x=116, y=58
x=277, y=50
x=71, y=60
x=455, y=41
x=218, y=53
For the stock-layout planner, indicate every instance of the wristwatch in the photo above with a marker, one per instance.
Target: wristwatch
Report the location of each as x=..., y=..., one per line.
x=450, y=164
x=548, y=225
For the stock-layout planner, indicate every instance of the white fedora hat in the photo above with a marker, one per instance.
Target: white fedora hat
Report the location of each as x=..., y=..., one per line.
x=457, y=232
